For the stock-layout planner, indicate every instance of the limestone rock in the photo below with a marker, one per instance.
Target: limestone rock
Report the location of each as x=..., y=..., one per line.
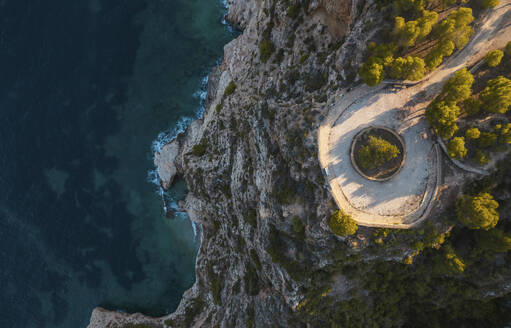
x=165, y=163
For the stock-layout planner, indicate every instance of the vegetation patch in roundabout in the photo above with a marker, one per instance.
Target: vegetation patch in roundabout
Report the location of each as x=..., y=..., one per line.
x=378, y=153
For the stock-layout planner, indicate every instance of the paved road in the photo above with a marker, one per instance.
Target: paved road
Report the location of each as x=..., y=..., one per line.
x=407, y=199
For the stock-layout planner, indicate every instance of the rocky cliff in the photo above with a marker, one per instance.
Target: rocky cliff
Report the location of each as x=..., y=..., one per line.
x=267, y=256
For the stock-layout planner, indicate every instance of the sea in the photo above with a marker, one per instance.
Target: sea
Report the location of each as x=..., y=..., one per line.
x=88, y=90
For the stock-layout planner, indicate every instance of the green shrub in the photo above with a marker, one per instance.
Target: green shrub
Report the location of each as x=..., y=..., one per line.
x=493, y=58
x=377, y=152
x=494, y=240
x=372, y=72
x=409, y=68
x=229, y=90
x=505, y=134
x=435, y=57
x=442, y=117
x=456, y=148
x=487, y=139
x=472, y=106
x=490, y=3
x=456, y=27
x=458, y=87
x=342, y=224
x=482, y=157
x=478, y=212
x=472, y=133
x=496, y=97
x=266, y=48
x=200, y=148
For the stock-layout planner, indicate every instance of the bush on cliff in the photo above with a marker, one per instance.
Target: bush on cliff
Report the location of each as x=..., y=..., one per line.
x=342, y=224
x=478, y=212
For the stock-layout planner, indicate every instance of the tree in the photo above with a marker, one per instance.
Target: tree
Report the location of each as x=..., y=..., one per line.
x=442, y=117
x=490, y=3
x=382, y=51
x=458, y=87
x=426, y=23
x=487, y=139
x=377, y=152
x=435, y=57
x=456, y=148
x=472, y=106
x=478, y=212
x=372, y=72
x=496, y=97
x=482, y=157
x=456, y=27
x=493, y=58
x=494, y=240
x=472, y=133
x=409, y=68
x=505, y=134
x=342, y=224
x=406, y=32
x=412, y=7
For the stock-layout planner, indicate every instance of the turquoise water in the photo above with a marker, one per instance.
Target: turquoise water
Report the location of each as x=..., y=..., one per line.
x=87, y=89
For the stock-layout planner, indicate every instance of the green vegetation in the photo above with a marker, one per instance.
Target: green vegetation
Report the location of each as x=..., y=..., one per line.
x=200, y=148
x=472, y=106
x=496, y=97
x=229, y=90
x=456, y=148
x=456, y=27
x=478, y=212
x=482, y=157
x=409, y=68
x=442, y=116
x=372, y=72
x=472, y=133
x=342, y=224
x=494, y=57
x=490, y=3
x=266, y=49
x=458, y=87
x=435, y=57
x=505, y=133
x=486, y=139
x=407, y=32
x=452, y=32
x=377, y=152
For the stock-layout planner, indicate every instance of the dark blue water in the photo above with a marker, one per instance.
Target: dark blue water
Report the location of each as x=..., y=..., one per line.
x=85, y=89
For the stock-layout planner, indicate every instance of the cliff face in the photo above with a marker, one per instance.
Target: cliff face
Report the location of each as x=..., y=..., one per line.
x=251, y=166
